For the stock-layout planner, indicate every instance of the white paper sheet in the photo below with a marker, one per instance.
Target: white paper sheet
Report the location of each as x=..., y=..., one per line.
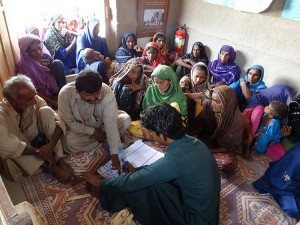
x=253, y=6
x=138, y=154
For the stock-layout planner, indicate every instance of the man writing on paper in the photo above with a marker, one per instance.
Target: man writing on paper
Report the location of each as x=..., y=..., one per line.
x=89, y=109
x=181, y=188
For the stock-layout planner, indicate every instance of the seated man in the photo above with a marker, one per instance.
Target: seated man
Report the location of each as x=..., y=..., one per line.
x=29, y=133
x=95, y=61
x=90, y=111
x=181, y=188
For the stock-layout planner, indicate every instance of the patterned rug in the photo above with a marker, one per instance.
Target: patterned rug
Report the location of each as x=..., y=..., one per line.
x=50, y=197
x=240, y=203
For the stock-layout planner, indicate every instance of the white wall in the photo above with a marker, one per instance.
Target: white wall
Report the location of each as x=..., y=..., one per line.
x=123, y=19
x=263, y=38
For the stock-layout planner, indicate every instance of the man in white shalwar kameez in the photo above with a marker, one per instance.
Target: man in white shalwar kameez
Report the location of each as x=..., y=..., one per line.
x=25, y=119
x=89, y=109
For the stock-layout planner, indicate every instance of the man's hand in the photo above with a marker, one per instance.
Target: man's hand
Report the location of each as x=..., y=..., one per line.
x=93, y=183
x=46, y=153
x=115, y=162
x=128, y=168
x=99, y=135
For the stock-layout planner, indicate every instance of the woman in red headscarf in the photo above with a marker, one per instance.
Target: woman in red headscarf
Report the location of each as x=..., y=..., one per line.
x=151, y=58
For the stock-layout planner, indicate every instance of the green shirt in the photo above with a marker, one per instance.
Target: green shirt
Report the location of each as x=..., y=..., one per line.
x=189, y=166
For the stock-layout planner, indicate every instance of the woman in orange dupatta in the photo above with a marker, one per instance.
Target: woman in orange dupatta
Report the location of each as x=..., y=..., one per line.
x=151, y=58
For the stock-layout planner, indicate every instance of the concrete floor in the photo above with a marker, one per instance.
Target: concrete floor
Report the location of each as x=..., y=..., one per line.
x=15, y=190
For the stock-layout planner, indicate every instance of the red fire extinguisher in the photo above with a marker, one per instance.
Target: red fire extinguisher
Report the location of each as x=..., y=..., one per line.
x=180, y=36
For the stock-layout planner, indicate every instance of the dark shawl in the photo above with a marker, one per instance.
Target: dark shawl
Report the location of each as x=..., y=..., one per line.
x=203, y=57
x=54, y=40
x=279, y=92
x=123, y=54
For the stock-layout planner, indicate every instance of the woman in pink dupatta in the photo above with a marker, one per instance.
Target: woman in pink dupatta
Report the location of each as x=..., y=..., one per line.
x=37, y=66
x=34, y=30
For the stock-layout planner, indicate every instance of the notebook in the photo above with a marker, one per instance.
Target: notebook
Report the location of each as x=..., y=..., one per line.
x=138, y=154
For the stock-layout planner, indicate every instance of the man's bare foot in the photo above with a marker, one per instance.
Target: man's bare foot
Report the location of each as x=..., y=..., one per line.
x=92, y=184
x=77, y=179
x=62, y=176
x=61, y=163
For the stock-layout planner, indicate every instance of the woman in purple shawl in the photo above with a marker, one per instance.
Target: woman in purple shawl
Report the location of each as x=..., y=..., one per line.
x=90, y=39
x=224, y=69
x=46, y=74
x=34, y=30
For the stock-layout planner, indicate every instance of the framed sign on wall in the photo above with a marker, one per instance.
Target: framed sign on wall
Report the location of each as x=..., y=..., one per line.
x=152, y=17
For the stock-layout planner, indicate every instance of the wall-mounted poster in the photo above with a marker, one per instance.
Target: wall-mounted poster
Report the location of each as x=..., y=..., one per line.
x=291, y=10
x=152, y=17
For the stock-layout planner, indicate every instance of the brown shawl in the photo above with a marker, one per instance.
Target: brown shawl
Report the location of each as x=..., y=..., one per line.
x=230, y=127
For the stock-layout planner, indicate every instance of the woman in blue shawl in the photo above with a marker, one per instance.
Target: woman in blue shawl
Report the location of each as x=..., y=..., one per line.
x=224, y=69
x=252, y=81
x=282, y=181
x=128, y=49
x=90, y=39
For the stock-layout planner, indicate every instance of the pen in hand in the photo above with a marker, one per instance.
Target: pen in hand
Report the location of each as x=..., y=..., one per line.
x=125, y=165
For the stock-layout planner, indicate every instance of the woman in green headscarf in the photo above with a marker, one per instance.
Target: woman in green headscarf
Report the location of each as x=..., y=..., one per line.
x=165, y=88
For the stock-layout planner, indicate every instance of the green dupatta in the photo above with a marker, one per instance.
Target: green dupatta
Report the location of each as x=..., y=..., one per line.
x=174, y=94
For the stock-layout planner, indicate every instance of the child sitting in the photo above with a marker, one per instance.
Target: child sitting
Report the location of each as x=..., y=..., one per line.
x=268, y=132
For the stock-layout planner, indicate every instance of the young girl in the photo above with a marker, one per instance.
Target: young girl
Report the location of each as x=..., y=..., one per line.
x=195, y=88
x=269, y=129
x=151, y=58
